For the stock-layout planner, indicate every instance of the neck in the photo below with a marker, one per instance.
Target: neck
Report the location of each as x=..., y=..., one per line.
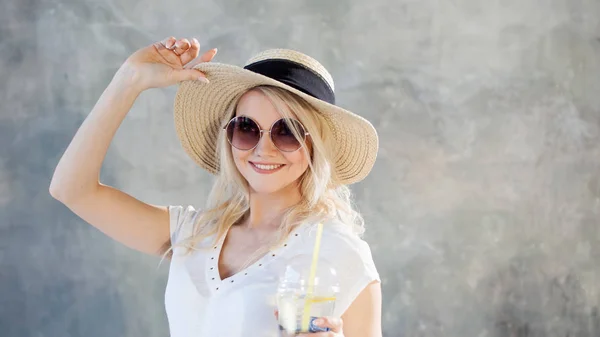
x=266, y=210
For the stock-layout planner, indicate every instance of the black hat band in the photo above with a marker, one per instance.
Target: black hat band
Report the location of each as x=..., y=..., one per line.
x=296, y=76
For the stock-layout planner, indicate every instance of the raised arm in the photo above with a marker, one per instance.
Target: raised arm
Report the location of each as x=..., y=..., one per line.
x=76, y=182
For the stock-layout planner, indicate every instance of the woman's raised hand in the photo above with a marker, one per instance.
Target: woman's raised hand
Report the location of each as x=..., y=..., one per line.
x=165, y=63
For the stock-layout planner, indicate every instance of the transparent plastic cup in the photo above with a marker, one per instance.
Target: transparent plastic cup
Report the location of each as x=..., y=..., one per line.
x=300, y=301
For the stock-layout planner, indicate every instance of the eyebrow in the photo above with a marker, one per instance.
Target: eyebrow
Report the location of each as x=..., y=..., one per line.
x=257, y=122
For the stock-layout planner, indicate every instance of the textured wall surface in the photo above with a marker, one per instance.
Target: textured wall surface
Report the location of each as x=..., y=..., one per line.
x=482, y=209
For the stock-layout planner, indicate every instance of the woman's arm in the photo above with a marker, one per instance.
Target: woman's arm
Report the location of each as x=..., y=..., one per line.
x=76, y=182
x=363, y=317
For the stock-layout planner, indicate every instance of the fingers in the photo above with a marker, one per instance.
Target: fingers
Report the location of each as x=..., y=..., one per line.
x=166, y=44
x=181, y=46
x=318, y=334
x=209, y=55
x=180, y=75
x=167, y=49
x=334, y=323
x=192, y=52
x=184, y=52
x=206, y=57
x=178, y=51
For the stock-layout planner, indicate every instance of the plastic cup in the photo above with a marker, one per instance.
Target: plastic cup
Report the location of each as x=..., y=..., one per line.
x=300, y=301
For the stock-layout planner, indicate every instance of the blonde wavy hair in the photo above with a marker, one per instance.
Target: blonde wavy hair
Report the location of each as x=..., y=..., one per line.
x=322, y=197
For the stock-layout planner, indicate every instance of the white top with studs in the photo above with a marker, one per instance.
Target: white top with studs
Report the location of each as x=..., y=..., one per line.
x=199, y=303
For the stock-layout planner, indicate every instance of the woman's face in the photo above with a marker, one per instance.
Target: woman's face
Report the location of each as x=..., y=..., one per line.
x=267, y=169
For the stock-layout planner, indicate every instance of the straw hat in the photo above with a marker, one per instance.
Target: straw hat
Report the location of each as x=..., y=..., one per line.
x=200, y=108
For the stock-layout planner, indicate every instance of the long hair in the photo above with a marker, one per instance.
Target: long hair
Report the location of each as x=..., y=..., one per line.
x=322, y=197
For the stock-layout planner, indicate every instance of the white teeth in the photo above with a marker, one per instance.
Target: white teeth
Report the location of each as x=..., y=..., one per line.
x=267, y=167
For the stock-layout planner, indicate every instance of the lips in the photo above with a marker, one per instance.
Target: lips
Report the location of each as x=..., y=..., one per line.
x=266, y=168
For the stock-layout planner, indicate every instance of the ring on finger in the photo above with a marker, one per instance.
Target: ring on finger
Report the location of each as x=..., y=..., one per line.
x=172, y=48
x=169, y=48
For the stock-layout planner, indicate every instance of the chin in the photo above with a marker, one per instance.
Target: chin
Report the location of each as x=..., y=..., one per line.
x=262, y=189
x=265, y=186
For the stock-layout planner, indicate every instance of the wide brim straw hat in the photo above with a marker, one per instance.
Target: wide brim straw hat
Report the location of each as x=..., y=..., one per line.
x=200, y=109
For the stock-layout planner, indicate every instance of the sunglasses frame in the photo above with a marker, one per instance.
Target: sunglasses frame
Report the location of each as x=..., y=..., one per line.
x=261, y=131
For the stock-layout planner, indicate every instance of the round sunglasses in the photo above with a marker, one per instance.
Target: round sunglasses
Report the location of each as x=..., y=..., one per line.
x=243, y=133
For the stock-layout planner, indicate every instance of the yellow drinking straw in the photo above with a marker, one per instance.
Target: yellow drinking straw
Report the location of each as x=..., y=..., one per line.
x=311, y=280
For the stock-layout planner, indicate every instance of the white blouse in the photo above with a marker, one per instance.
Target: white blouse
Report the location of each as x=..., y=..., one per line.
x=199, y=304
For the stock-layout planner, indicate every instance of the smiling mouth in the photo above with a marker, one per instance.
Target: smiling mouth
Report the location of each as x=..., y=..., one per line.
x=270, y=168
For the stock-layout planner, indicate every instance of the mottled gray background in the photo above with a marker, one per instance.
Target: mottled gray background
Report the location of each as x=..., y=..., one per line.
x=482, y=209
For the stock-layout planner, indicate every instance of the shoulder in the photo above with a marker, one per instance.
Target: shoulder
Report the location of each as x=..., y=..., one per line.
x=181, y=222
x=348, y=253
x=339, y=242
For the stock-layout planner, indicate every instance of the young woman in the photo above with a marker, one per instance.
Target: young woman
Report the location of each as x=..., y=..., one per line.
x=283, y=154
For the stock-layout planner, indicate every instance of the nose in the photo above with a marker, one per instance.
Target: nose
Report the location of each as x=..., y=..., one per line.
x=265, y=146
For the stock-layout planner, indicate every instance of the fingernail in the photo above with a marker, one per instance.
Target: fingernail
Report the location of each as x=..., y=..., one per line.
x=216, y=50
x=202, y=79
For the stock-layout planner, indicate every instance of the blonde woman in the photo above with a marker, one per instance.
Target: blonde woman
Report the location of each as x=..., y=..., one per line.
x=283, y=154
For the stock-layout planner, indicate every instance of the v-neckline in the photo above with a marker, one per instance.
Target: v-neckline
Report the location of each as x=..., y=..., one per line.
x=219, y=253
x=214, y=272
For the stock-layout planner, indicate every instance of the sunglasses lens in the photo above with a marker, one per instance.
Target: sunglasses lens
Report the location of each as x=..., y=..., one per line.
x=243, y=133
x=283, y=135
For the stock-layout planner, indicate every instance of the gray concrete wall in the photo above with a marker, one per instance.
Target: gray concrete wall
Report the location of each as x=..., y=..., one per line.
x=483, y=207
